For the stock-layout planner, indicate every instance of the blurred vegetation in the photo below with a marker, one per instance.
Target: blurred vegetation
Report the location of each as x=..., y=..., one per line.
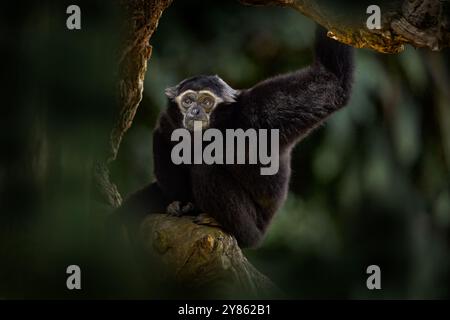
x=372, y=186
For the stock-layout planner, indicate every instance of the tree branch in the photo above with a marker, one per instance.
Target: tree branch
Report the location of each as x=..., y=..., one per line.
x=142, y=18
x=421, y=23
x=140, y=21
x=202, y=257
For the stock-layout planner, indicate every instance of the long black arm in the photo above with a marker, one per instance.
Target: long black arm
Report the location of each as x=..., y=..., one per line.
x=297, y=102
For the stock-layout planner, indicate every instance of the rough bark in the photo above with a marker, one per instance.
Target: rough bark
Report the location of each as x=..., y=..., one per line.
x=202, y=256
x=142, y=18
x=140, y=22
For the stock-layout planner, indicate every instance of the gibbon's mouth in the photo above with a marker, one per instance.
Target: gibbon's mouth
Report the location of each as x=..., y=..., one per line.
x=189, y=123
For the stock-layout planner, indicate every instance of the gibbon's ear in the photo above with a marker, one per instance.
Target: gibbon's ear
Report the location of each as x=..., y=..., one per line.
x=171, y=92
x=228, y=93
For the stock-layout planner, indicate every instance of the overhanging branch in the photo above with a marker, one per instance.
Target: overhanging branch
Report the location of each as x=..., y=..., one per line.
x=421, y=23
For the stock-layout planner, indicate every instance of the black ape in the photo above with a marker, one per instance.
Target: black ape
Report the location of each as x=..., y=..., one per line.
x=241, y=199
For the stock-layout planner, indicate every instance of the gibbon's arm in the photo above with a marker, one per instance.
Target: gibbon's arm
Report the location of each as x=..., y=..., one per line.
x=297, y=102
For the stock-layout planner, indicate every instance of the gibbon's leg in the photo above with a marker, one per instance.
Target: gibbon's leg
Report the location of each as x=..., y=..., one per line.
x=219, y=195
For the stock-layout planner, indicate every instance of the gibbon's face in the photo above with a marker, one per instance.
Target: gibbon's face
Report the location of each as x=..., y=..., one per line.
x=197, y=106
x=196, y=98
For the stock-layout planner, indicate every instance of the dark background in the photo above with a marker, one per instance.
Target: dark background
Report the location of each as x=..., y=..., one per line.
x=372, y=186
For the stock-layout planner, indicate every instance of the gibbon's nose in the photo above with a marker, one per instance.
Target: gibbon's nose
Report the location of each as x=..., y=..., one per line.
x=195, y=111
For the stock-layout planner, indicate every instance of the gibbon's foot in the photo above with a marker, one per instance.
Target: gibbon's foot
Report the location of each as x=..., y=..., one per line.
x=205, y=219
x=176, y=209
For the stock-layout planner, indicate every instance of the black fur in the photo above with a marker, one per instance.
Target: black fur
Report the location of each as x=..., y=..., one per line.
x=241, y=199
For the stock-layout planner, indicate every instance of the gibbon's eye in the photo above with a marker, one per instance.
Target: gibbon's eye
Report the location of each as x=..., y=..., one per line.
x=187, y=101
x=207, y=103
